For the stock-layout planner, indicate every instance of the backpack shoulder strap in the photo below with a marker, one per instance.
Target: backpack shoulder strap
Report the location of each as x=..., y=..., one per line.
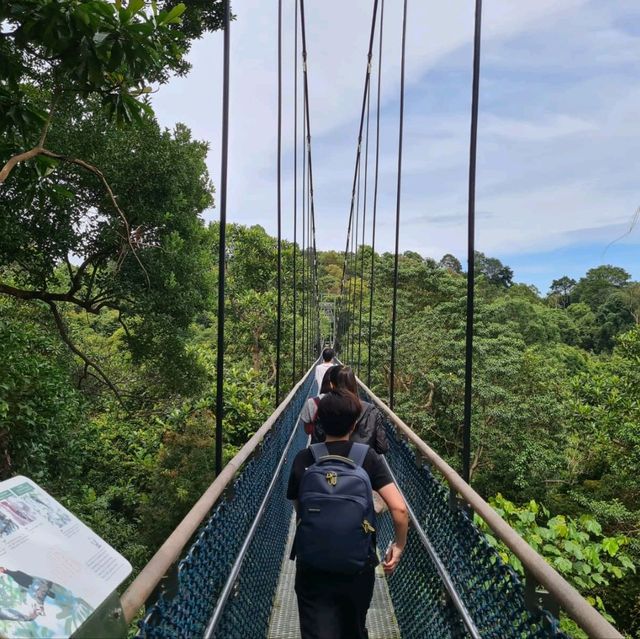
x=319, y=450
x=358, y=453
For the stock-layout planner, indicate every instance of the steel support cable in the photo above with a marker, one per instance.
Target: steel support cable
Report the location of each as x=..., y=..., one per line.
x=353, y=279
x=308, y=266
x=354, y=270
x=473, y=142
x=295, y=189
x=309, y=269
x=309, y=273
x=349, y=284
x=364, y=226
x=394, y=307
x=279, y=198
x=303, y=352
x=311, y=207
x=375, y=197
x=352, y=274
x=358, y=150
x=222, y=246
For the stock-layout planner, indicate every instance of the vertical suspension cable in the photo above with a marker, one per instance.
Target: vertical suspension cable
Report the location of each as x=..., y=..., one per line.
x=311, y=205
x=342, y=305
x=354, y=279
x=468, y=367
x=303, y=352
x=295, y=189
x=222, y=247
x=375, y=199
x=309, y=282
x=351, y=284
x=279, y=197
x=364, y=226
x=394, y=307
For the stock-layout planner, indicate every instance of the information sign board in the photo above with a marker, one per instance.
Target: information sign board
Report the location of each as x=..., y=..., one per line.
x=54, y=570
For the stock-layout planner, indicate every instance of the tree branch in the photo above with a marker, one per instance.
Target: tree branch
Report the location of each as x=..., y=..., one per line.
x=92, y=278
x=97, y=172
x=47, y=124
x=62, y=329
x=124, y=326
x=17, y=159
x=69, y=269
x=44, y=296
x=12, y=162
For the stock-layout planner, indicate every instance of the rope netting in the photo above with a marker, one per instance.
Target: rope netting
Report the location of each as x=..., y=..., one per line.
x=185, y=610
x=491, y=591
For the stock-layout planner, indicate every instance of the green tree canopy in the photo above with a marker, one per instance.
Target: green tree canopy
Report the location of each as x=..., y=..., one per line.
x=69, y=241
x=596, y=286
x=493, y=269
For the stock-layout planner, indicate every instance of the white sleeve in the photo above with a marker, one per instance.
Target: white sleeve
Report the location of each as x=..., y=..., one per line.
x=306, y=414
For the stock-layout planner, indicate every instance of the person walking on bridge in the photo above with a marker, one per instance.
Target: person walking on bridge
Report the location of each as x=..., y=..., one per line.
x=328, y=355
x=331, y=484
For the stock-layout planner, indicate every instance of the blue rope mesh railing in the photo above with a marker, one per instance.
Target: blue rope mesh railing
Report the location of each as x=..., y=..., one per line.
x=419, y=601
x=202, y=573
x=491, y=591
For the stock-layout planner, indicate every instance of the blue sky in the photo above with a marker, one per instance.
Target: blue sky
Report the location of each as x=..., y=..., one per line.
x=559, y=139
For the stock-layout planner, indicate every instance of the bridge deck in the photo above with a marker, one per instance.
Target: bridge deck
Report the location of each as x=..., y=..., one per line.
x=381, y=620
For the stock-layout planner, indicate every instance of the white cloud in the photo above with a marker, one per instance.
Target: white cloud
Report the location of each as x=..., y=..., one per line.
x=559, y=131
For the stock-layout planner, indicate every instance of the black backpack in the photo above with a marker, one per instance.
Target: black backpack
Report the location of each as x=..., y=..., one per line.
x=370, y=429
x=335, y=530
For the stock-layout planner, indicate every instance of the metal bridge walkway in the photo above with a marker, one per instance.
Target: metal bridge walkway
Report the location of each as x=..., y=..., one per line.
x=223, y=573
x=381, y=620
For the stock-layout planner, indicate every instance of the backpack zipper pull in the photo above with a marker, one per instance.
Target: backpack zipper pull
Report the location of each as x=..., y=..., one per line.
x=367, y=527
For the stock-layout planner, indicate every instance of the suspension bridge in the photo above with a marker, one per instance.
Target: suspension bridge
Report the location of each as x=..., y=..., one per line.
x=225, y=571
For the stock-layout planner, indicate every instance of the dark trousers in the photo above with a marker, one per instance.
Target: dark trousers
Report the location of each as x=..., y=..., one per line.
x=333, y=606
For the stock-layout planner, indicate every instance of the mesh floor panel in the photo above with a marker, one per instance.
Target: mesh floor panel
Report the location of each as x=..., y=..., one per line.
x=381, y=620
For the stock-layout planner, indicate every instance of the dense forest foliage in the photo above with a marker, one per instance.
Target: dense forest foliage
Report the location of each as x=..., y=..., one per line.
x=108, y=276
x=556, y=401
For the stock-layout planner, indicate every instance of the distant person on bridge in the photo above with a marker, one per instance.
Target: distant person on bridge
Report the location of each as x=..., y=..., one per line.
x=309, y=412
x=328, y=355
x=336, y=538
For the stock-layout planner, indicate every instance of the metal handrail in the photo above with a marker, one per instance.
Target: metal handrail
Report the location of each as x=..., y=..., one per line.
x=569, y=599
x=159, y=565
x=442, y=571
x=216, y=615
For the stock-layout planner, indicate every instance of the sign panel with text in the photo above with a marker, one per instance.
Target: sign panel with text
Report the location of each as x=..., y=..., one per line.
x=54, y=570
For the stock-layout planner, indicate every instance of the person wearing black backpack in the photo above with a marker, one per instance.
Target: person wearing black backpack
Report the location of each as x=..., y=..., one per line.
x=369, y=427
x=331, y=484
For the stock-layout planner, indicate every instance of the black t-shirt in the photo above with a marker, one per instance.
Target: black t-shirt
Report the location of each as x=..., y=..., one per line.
x=373, y=465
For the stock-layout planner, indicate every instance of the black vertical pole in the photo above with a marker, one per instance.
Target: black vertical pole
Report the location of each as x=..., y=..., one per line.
x=364, y=226
x=303, y=352
x=279, y=313
x=344, y=303
x=222, y=241
x=354, y=279
x=392, y=379
x=309, y=255
x=468, y=368
x=375, y=198
x=295, y=189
